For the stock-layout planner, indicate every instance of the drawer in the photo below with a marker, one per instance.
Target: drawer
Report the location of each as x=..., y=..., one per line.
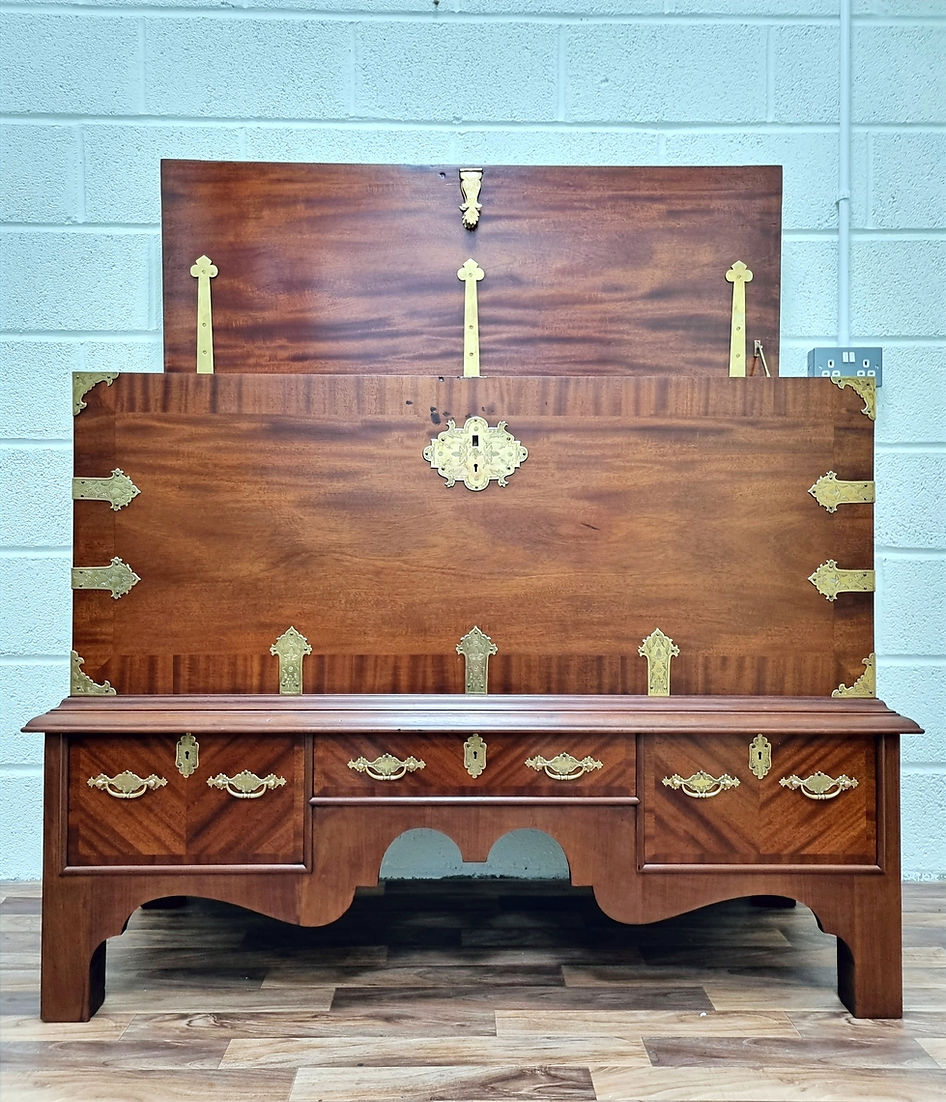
x=506, y=765
x=807, y=820
x=140, y=808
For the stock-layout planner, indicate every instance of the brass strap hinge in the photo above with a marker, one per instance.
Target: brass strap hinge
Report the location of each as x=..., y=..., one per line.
x=658, y=649
x=117, y=489
x=738, y=275
x=117, y=577
x=830, y=492
x=203, y=269
x=830, y=580
x=470, y=274
x=476, y=648
x=290, y=648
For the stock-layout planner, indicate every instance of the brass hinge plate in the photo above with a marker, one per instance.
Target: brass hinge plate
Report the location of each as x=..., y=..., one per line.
x=830, y=492
x=117, y=489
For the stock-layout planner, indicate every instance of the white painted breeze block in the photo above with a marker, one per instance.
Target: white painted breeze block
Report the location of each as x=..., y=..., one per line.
x=96, y=92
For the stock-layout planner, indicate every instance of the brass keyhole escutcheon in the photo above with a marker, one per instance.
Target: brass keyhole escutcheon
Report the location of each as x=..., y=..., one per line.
x=186, y=759
x=474, y=756
x=760, y=756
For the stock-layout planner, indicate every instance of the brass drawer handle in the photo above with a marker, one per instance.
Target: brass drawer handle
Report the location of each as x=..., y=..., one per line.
x=386, y=767
x=701, y=786
x=246, y=785
x=127, y=785
x=819, y=786
x=563, y=767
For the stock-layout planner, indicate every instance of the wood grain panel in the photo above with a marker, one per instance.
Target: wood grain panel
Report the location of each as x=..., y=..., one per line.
x=506, y=773
x=186, y=821
x=672, y=503
x=106, y=830
x=352, y=268
x=759, y=821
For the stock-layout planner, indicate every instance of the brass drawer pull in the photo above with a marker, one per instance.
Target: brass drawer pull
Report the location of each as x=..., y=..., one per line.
x=386, y=767
x=127, y=785
x=819, y=786
x=563, y=767
x=701, y=786
x=246, y=785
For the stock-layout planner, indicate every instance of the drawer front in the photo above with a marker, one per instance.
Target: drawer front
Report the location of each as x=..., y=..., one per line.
x=807, y=820
x=140, y=809
x=457, y=765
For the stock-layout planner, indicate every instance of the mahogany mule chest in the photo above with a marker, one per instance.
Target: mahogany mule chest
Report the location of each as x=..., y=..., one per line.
x=462, y=508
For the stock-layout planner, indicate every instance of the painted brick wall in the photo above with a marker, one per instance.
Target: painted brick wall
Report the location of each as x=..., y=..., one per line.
x=94, y=94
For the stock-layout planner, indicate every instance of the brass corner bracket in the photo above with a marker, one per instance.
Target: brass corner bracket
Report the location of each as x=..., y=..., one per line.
x=83, y=382
x=865, y=685
x=80, y=684
x=865, y=389
x=476, y=647
x=658, y=649
x=290, y=648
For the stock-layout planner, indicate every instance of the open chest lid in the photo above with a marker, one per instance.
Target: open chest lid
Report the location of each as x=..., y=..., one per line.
x=352, y=269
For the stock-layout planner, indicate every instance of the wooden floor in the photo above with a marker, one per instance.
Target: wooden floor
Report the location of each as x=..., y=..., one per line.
x=474, y=991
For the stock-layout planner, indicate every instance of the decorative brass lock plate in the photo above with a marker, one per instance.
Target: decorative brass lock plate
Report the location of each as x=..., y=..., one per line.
x=760, y=756
x=476, y=647
x=474, y=756
x=475, y=454
x=186, y=757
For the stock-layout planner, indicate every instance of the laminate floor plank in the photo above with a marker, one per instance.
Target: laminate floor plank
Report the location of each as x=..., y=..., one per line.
x=443, y=1084
x=790, y=1052
x=405, y=1023
x=183, y=1085
x=839, y=1027
x=199, y=999
x=285, y=974
x=121, y=1054
x=432, y=1052
x=637, y=1024
x=104, y=1027
x=505, y=997
x=815, y=1084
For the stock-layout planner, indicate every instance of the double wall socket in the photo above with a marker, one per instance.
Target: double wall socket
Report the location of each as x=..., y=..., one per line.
x=836, y=363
